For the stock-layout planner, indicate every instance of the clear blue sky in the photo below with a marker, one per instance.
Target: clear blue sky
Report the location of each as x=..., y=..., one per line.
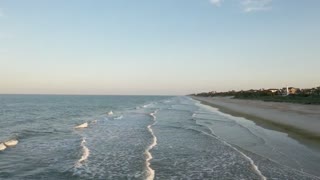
x=158, y=46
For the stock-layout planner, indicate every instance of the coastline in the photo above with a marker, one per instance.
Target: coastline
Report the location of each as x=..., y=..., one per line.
x=300, y=121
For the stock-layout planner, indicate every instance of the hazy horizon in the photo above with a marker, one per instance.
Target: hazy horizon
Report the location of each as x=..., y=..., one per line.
x=166, y=47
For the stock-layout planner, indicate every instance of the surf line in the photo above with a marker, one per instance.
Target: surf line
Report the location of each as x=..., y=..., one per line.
x=253, y=165
x=85, y=153
x=150, y=175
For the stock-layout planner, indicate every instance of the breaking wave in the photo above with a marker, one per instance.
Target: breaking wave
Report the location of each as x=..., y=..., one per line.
x=85, y=153
x=151, y=173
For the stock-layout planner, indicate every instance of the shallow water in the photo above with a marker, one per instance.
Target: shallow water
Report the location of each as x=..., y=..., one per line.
x=146, y=137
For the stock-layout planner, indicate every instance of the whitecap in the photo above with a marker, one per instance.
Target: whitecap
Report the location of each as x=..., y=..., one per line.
x=2, y=147
x=84, y=125
x=110, y=113
x=85, y=153
x=12, y=142
x=147, y=105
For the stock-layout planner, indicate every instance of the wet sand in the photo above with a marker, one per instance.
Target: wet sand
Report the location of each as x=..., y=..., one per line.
x=297, y=119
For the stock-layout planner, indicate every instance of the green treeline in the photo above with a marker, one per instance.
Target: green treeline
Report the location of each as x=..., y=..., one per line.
x=295, y=95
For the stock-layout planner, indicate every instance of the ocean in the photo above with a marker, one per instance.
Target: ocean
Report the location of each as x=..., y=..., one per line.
x=141, y=137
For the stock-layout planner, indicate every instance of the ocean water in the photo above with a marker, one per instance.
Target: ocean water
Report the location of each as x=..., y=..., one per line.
x=141, y=137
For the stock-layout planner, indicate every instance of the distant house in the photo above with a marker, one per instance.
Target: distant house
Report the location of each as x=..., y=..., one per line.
x=293, y=90
x=252, y=91
x=290, y=91
x=273, y=90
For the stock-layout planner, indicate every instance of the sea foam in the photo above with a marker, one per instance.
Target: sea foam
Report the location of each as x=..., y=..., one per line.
x=151, y=173
x=2, y=147
x=110, y=113
x=85, y=153
x=253, y=165
x=12, y=142
x=84, y=125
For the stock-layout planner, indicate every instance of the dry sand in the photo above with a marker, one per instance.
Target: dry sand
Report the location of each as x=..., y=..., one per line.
x=303, y=119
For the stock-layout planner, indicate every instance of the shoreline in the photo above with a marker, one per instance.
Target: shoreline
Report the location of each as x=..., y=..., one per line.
x=302, y=122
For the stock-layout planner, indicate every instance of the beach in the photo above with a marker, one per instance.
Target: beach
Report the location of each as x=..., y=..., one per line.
x=295, y=118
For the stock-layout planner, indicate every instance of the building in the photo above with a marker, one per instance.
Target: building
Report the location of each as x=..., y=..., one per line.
x=290, y=91
x=273, y=90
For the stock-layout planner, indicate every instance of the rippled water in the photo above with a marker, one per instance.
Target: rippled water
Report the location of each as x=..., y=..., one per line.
x=146, y=137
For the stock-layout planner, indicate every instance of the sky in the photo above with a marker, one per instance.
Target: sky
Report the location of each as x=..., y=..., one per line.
x=158, y=47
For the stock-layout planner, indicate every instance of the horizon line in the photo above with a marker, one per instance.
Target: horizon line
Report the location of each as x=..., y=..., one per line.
x=53, y=94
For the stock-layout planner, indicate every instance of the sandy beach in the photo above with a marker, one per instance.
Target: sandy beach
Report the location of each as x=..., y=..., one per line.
x=297, y=118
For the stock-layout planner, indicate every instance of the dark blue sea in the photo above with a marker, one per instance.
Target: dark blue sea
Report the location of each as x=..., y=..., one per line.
x=141, y=137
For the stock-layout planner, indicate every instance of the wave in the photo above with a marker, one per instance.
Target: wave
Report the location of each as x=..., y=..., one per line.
x=262, y=140
x=150, y=175
x=232, y=122
x=84, y=125
x=110, y=113
x=8, y=144
x=2, y=147
x=85, y=153
x=12, y=142
x=26, y=133
x=253, y=165
x=94, y=121
x=105, y=118
x=147, y=105
x=118, y=118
